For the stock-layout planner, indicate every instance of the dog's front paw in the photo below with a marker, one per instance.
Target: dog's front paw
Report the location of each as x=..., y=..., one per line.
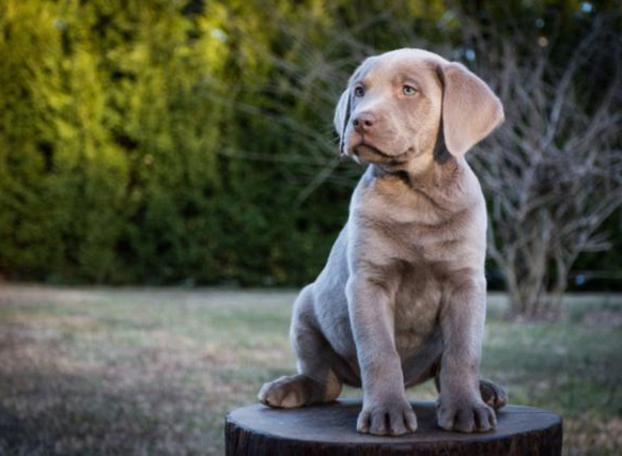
x=465, y=416
x=387, y=417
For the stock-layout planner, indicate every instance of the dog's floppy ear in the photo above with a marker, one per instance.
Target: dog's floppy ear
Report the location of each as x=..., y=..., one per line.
x=342, y=117
x=470, y=109
x=344, y=105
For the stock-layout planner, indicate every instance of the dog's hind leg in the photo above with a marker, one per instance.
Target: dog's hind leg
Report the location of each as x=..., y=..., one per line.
x=316, y=381
x=492, y=394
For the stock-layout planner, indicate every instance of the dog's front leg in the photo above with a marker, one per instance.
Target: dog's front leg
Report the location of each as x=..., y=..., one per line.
x=460, y=406
x=385, y=407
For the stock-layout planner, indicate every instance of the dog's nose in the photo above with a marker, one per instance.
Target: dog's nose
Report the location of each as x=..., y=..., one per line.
x=364, y=122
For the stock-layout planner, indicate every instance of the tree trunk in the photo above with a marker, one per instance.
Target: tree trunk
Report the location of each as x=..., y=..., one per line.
x=331, y=430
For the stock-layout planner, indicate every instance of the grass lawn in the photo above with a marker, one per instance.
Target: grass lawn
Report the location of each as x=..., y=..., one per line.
x=154, y=371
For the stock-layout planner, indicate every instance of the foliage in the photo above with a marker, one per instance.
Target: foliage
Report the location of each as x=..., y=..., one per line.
x=190, y=141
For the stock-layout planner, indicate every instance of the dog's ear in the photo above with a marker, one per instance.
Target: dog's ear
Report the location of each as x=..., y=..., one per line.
x=470, y=111
x=342, y=117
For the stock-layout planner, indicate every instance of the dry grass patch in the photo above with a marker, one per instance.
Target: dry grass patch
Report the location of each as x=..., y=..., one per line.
x=147, y=371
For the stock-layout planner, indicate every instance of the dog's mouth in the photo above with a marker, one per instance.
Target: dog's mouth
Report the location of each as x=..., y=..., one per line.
x=367, y=152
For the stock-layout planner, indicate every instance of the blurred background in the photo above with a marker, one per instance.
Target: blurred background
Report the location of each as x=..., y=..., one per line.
x=184, y=151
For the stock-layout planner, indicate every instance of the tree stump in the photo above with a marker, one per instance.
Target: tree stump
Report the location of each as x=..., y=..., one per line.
x=331, y=430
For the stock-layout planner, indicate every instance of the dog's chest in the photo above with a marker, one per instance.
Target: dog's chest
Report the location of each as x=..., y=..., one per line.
x=417, y=305
x=412, y=226
x=417, y=245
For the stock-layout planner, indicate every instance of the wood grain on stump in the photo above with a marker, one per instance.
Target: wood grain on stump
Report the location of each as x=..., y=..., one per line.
x=331, y=430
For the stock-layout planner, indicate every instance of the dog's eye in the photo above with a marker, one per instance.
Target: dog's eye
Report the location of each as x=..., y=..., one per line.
x=359, y=91
x=408, y=90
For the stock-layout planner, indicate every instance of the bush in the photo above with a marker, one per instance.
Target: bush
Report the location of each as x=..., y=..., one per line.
x=185, y=142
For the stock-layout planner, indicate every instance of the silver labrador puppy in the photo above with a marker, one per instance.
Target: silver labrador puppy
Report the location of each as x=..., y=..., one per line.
x=402, y=298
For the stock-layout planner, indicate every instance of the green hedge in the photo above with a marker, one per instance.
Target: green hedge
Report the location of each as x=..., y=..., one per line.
x=112, y=116
x=178, y=142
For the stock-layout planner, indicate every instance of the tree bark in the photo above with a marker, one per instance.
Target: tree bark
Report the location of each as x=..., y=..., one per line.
x=330, y=430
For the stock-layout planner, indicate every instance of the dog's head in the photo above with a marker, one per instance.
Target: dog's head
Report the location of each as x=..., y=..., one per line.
x=398, y=103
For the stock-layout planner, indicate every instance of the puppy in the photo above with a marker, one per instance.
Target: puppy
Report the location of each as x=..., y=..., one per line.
x=402, y=297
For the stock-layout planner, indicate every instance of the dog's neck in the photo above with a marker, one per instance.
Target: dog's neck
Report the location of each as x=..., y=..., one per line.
x=430, y=169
